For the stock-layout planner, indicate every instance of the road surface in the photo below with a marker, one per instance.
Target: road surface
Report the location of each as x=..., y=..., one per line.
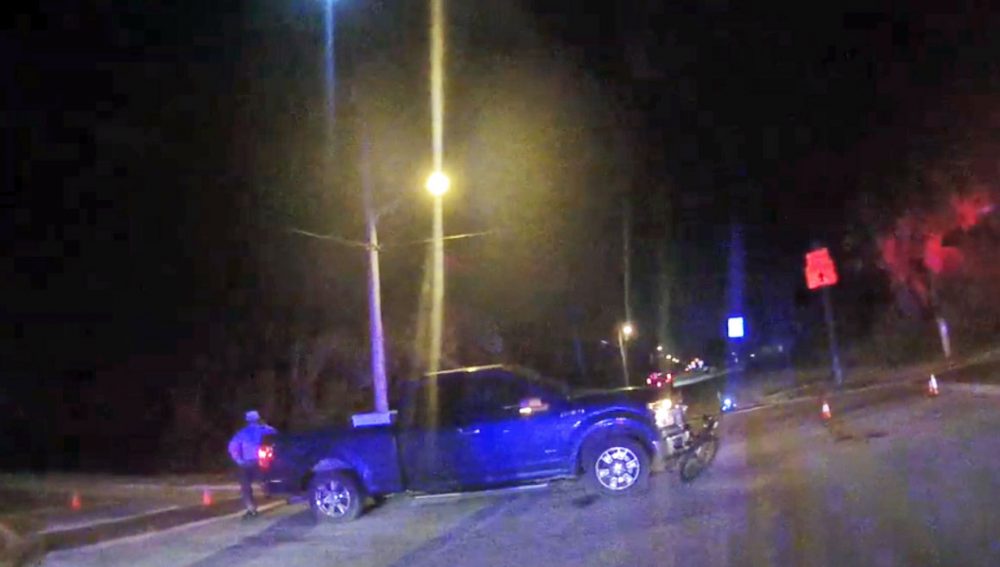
x=906, y=481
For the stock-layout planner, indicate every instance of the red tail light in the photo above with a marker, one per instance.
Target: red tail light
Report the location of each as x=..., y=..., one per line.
x=265, y=454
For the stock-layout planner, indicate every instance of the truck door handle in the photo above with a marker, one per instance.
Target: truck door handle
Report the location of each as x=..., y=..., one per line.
x=468, y=430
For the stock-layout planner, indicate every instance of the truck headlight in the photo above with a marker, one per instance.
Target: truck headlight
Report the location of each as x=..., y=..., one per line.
x=662, y=412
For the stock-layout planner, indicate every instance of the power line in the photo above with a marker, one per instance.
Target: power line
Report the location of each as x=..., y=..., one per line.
x=360, y=244
x=332, y=237
x=451, y=237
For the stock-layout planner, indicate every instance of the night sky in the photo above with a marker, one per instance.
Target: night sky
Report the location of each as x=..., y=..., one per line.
x=156, y=156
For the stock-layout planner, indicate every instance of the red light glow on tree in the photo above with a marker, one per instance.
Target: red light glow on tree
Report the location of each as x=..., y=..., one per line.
x=820, y=270
x=915, y=250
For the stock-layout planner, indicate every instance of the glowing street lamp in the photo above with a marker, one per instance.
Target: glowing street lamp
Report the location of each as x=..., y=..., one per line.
x=438, y=183
x=627, y=330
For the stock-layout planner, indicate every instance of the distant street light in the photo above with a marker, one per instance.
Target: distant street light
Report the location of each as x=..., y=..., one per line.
x=438, y=183
x=624, y=333
x=659, y=348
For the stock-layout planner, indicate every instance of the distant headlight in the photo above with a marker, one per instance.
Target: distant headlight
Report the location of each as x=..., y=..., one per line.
x=662, y=412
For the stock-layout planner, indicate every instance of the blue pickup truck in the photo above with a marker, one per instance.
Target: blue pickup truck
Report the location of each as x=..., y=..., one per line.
x=476, y=428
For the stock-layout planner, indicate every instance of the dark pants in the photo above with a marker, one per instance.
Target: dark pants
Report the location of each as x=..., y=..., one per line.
x=247, y=476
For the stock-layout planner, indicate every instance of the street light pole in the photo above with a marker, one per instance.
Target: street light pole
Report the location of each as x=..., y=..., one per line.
x=437, y=287
x=624, y=332
x=621, y=349
x=438, y=182
x=437, y=185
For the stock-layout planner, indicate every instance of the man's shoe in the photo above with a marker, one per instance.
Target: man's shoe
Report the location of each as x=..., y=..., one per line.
x=250, y=514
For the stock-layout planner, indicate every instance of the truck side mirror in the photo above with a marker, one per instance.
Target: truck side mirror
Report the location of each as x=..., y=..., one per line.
x=531, y=406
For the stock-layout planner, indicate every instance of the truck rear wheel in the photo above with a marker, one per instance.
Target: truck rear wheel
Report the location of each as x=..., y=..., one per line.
x=335, y=497
x=616, y=466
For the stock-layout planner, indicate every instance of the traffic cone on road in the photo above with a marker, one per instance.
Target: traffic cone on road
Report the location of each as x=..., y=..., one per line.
x=75, y=502
x=206, y=497
x=825, y=412
x=932, y=387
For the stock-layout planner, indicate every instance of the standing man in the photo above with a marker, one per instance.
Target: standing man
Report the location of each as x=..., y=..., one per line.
x=243, y=450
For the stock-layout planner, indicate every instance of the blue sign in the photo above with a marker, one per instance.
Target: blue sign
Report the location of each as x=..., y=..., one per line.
x=736, y=328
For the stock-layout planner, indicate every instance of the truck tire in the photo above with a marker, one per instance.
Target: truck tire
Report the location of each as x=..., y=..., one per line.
x=335, y=497
x=615, y=465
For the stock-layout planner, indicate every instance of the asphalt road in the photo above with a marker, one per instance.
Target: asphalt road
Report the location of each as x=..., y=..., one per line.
x=905, y=481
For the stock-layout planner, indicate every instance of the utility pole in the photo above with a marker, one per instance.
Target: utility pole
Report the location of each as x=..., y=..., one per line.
x=376, y=334
x=377, y=337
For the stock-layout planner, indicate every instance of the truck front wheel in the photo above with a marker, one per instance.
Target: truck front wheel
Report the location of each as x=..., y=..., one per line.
x=335, y=497
x=616, y=465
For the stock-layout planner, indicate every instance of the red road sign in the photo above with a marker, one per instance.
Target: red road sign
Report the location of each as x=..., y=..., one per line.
x=820, y=270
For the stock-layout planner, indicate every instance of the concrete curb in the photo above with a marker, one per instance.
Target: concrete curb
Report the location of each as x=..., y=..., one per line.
x=972, y=388
x=203, y=522
x=968, y=387
x=101, y=522
x=914, y=374
x=232, y=487
x=835, y=393
x=139, y=525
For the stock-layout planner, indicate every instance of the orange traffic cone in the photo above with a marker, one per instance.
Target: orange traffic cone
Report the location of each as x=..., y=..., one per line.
x=825, y=412
x=206, y=497
x=75, y=502
x=932, y=387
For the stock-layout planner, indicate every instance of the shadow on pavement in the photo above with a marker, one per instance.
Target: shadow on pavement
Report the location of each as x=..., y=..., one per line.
x=512, y=504
x=584, y=501
x=290, y=529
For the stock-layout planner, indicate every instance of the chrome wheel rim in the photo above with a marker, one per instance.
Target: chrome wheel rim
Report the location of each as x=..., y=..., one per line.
x=332, y=498
x=617, y=468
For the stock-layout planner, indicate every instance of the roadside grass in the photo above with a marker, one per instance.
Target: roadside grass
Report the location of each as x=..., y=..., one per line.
x=36, y=512
x=764, y=387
